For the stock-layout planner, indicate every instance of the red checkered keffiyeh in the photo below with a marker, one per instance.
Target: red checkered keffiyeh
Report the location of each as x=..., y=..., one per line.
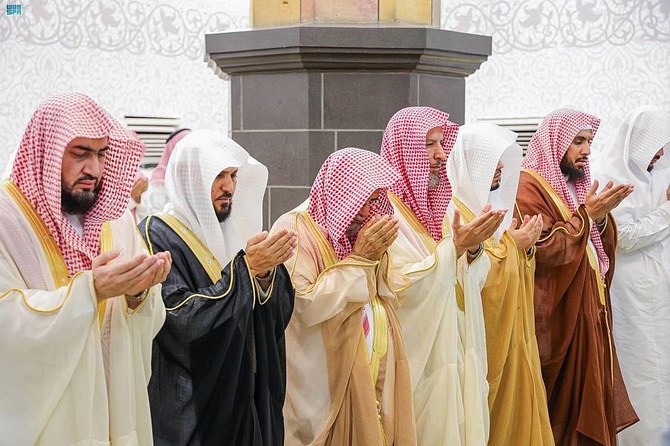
x=37, y=171
x=345, y=182
x=404, y=146
x=545, y=152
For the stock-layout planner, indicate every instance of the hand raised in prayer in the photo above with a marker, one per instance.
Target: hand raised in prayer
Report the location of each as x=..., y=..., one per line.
x=265, y=251
x=376, y=236
x=598, y=205
x=140, y=186
x=528, y=233
x=469, y=236
x=128, y=276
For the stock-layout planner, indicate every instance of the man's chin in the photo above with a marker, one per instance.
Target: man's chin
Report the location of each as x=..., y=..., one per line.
x=223, y=213
x=78, y=202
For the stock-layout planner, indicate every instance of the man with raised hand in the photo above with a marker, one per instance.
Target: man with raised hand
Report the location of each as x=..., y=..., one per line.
x=483, y=168
x=348, y=380
x=574, y=259
x=219, y=360
x=440, y=312
x=641, y=286
x=79, y=305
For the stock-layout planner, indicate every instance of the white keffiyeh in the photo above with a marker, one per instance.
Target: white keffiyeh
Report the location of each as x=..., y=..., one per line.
x=643, y=133
x=191, y=171
x=472, y=164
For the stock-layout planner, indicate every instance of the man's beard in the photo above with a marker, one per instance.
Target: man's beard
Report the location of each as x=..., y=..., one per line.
x=79, y=203
x=573, y=173
x=496, y=185
x=433, y=180
x=223, y=213
x=352, y=231
x=651, y=165
x=434, y=177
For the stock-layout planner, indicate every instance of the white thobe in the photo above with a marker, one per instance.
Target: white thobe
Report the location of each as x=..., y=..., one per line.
x=65, y=379
x=446, y=346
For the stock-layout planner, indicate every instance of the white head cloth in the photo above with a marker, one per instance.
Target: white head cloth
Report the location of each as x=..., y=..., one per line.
x=193, y=167
x=472, y=164
x=644, y=131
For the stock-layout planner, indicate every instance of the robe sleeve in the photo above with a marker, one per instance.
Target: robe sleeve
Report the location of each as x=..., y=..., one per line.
x=640, y=233
x=277, y=304
x=319, y=296
x=442, y=260
x=35, y=323
x=191, y=311
x=561, y=242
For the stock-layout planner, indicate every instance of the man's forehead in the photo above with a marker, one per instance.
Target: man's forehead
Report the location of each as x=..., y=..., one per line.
x=89, y=143
x=435, y=133
x=374, y=195
x=229, y=170
x=584, y=133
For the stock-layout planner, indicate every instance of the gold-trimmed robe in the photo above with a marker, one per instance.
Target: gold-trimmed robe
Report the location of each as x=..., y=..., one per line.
x=587, y=398
x=72, y=372
x=332, y=397
x=517, y=397
x=443, y=329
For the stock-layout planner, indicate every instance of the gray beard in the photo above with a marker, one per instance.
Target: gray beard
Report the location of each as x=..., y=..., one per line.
x=433, y=180
x=352, y=231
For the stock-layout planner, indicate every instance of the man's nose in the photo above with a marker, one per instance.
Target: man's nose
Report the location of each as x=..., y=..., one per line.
x=227, y=184
x=93, y=167
x=440, y=153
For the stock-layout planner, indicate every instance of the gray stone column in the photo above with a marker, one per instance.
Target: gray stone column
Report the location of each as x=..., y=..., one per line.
x=300, y=93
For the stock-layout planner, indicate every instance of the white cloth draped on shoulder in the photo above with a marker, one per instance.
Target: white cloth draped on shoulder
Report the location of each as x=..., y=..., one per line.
x=641, y=286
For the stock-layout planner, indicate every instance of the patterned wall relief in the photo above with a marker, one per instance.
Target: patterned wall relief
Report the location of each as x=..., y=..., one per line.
x=605, y=57
x=140, y=58
x=169, y=28
x=533, y=25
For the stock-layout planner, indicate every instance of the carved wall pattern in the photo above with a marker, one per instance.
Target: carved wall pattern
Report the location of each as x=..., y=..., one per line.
x=132, y=57
x=605, y=56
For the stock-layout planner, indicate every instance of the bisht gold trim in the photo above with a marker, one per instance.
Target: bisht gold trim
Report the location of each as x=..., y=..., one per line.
x=204, y=255
x=55, y=259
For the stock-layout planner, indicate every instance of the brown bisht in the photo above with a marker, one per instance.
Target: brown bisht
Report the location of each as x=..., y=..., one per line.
x=587, y=399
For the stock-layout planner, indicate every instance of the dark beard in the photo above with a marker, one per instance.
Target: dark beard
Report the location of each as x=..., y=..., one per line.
x=495, y=186
x=224, y=213
x=79, y=203
x=650, y=168
x=572, y=172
